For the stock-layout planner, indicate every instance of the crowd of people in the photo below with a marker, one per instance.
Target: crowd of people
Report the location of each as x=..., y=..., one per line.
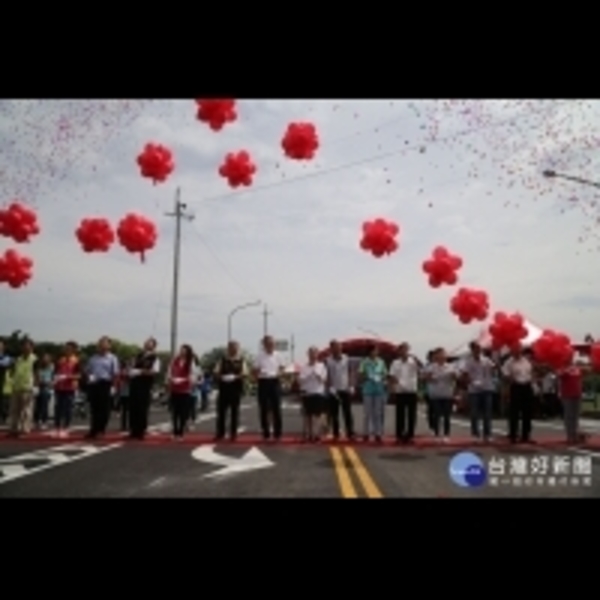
x=327, y=385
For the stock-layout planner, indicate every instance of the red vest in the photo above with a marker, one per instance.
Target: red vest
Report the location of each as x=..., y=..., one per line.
x=178, y=371
x=571, y=384
x=66, y=366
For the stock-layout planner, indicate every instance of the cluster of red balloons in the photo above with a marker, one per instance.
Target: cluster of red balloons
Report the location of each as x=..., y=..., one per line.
x=470, y=305
x=553, y=349
x=216, y=113
x=238, y=169
x=442, y=267
x=379, y=237
x=156, y=162
x=15, y=270
x=507, y=331
x=300, y=141
x=19, y=223
x=95, y=235
x=137, y=234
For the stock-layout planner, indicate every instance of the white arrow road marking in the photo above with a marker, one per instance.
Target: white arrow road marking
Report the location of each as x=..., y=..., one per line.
x=253, y=460
x=15, y=467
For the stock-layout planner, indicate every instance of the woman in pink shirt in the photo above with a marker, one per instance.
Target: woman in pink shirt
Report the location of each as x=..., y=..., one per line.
x=570, y=389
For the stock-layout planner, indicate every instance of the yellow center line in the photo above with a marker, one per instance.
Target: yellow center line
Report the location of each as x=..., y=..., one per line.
x=343, y=476
x=363, y=475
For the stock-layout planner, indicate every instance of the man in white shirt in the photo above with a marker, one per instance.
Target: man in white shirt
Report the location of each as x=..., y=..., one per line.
x=267, y=369
x=518, y=369
x=478, y=371
x=404, y=380
x=313, y=380
x=340, y=390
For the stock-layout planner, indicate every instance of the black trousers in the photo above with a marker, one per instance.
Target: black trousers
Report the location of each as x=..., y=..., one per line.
x=430, y=419
x=99, y=398
x=228, y=403
x=124, y=406
x=269, y=403
x=406, y=416
x=341, y=401
x=180, y=413
x=520, y=411
x=139, y=407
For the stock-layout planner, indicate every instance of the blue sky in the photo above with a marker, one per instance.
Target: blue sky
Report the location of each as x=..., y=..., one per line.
x=464, y=174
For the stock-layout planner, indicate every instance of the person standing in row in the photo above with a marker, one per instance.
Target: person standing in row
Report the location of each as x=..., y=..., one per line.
x=268, y=369
x=441, y=376
x=231, y=372
x=102, y=372
x=478, y=371
x=5, y=382
x=195, y=394
x=181, y=380
x=570, y=381
x=340, y=390
x=550, y=402
x=146, y=366
x=23, y=387
x=518, y=370
x=123, y=395
x=313, y=380
x=404, y=381
x=373, y=374
x=426, y=385
x=66, y=380
x=44, y=377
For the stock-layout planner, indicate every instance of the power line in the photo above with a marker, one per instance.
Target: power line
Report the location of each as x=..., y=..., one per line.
x=381, y=156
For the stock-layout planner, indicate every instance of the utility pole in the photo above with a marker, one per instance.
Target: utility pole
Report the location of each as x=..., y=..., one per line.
x=178, y=214
x=292, y=348
x=266, y=314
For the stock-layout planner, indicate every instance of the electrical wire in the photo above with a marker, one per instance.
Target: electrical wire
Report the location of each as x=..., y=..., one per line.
x=223, y=266
x=381, y=156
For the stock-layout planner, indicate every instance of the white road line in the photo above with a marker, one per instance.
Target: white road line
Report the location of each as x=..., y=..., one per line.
x=14, y=467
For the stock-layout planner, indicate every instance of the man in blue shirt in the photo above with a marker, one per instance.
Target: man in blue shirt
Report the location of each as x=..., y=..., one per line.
x=373, y=375
x=102, y=373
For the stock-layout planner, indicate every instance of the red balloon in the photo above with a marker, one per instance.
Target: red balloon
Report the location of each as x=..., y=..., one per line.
x=95, y=235
x=379, y=237
x=553, y=349
x=595, y=356
x=216, y=113
x=507, y=331
x=470, y=305
x=442, y=267
x=137, y=234
x=15, y=269
x=156, y=162
x=300, y=141
x=238, y=169
x=19, y=223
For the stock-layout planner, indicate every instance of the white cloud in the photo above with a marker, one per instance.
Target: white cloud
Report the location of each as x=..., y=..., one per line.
x=466, y=175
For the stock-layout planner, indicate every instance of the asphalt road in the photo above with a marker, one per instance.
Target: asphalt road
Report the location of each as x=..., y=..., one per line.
x=159, y=467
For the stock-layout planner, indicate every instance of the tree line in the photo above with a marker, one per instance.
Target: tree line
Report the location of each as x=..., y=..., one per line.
x=124, y=351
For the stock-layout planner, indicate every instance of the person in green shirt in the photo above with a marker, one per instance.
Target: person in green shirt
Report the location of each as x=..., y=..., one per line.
x=373, y=375
x=23, y=385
